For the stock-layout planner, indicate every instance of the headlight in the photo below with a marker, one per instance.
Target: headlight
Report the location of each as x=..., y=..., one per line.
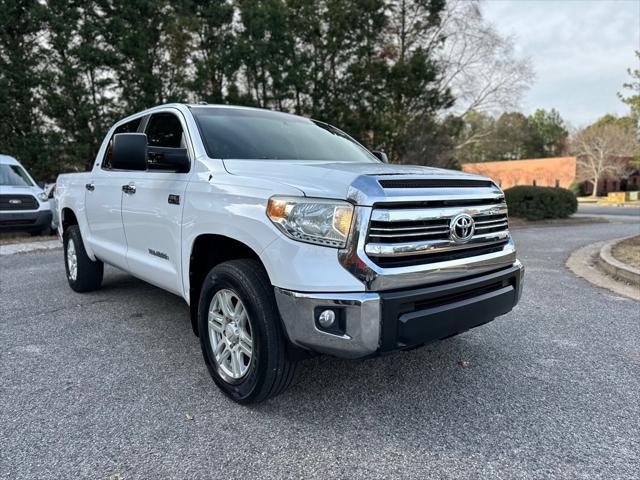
x=312, y=220
x=43, y=197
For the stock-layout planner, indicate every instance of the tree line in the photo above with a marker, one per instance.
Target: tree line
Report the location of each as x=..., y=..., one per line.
x=511, y=136
x=427, y=81
x=399, y=75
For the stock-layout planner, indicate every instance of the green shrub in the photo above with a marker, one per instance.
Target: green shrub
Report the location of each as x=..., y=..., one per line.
x=538, y=203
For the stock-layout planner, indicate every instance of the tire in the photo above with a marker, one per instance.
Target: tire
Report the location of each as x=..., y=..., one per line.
x=270, y=370
x=88, y=273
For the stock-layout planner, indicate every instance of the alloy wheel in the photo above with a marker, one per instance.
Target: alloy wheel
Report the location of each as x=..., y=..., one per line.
x=72, y=260
x=230, y=335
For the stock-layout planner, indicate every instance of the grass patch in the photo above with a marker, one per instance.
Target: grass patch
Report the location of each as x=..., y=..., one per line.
x=628, y=251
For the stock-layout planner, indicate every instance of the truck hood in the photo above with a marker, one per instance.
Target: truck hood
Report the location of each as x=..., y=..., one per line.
x=330, y=179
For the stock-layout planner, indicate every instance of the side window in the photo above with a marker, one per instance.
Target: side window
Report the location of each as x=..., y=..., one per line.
x=164, y=130
x=129, y=127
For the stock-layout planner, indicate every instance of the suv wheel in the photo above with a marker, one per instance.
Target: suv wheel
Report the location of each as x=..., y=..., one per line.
x=241, y=334
x=83, y=274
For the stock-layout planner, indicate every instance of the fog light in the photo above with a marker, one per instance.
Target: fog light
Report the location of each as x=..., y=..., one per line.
x=327, y=318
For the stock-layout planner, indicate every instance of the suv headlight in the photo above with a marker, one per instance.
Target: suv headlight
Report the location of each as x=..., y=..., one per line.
x=43, y=197
x=312, y=220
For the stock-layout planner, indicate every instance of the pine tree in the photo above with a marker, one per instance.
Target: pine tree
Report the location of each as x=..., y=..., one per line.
x=22, y=133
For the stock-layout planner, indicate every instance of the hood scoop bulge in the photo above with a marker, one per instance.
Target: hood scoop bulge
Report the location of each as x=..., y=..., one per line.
x=435, y=183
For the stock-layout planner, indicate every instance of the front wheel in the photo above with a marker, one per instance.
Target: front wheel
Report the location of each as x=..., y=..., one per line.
x=241, y=334
x=83, y=274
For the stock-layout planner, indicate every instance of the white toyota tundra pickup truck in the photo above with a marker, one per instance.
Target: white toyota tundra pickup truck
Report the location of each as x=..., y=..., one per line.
x=287, y=238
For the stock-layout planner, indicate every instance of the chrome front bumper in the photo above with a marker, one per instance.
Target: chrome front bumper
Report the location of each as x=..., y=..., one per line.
x=378, y=322
x=362, y=315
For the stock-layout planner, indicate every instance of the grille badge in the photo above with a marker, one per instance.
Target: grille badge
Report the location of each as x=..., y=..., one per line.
x=461, y=228
x=15, y=201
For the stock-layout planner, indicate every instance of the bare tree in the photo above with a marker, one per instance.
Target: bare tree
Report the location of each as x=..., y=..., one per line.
x=481, y=67
x=601, y=150
x=478, y=67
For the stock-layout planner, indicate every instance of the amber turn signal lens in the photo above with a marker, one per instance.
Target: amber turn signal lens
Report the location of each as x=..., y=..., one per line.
x=342, y=219
x=276, y=208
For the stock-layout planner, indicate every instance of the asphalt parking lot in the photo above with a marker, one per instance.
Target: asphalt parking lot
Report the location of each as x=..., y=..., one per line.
x=113, y=382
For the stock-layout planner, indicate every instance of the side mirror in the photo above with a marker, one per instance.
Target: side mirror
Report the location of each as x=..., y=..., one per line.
x=380, y=155
x=129, y=151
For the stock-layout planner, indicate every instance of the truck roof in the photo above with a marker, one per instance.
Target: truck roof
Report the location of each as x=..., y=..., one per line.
x=202, y=105
x=221, y=105
x=208, y=105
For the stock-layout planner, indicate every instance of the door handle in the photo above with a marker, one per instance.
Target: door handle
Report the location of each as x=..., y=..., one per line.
x=90, y=186
x=130, y=189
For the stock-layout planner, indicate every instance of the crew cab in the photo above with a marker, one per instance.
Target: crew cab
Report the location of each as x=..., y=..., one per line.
x=287, y=238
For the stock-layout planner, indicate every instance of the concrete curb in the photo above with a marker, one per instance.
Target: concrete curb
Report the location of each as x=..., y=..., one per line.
x=617, y=205
x=583, y=263
x=616, y=268
x=14, y=248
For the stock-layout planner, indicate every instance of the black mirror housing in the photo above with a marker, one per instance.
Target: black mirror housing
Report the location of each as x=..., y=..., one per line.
x=129, y=151
x=380, y=155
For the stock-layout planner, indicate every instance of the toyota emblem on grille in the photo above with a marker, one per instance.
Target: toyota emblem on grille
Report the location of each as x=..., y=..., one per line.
x=461, y=228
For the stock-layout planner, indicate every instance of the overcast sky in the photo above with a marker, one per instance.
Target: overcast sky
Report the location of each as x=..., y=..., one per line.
x=580, y=50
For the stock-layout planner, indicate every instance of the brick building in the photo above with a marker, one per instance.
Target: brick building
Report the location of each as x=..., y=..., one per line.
x=543, y=172
x=629, y=183
x=549, y=172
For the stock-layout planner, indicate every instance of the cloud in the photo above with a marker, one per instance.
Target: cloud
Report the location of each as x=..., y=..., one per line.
x=580, y=51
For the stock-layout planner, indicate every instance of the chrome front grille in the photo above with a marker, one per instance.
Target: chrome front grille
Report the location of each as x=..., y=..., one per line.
x=384, y=232
x=402, y=235
x=491, y=223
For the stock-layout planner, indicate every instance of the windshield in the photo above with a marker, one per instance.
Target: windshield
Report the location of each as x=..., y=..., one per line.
x=262, y=134
x=14, y=176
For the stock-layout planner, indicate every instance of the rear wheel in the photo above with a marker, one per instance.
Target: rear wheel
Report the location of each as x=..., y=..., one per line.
x=83, y=274
x=241, y=334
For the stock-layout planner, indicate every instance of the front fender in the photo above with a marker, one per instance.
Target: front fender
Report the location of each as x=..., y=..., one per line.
x=235, y=207
x=230, y=206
